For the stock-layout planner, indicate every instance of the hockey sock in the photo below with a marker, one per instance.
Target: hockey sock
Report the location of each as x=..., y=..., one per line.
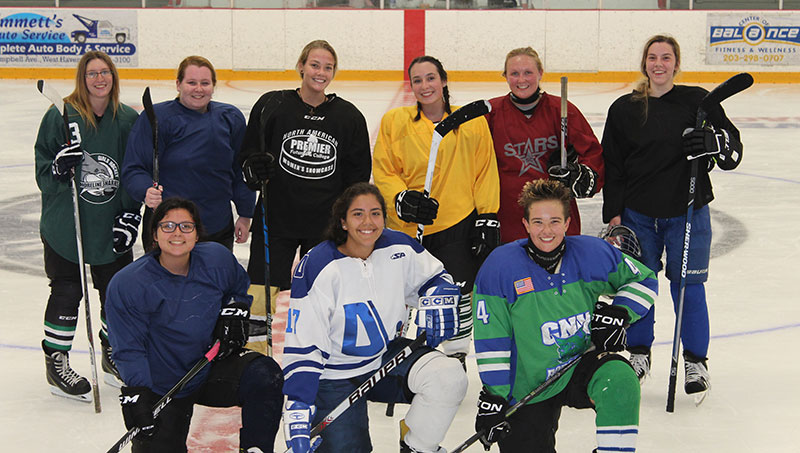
x=694, y=327
x=615, y=390
x=439, y=385
x=261, y=398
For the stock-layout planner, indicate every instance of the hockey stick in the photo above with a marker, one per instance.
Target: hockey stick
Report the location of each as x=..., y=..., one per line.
x=467, y=112
x=712, y=100
x=366, y=386
x=563, y=122
x=167, y=398
x=147, y=102
x=52, y=95
x=533, y=394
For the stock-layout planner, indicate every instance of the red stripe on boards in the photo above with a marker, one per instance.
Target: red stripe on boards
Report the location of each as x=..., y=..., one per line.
x=414, y=37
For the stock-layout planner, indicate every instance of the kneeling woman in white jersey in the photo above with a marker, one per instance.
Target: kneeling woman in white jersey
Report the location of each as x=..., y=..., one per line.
x=348, y=305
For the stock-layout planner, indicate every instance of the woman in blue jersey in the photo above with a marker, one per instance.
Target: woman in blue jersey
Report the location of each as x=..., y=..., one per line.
x=348, y=306
x=198, y=148
x=166, y=309
x=536, y=309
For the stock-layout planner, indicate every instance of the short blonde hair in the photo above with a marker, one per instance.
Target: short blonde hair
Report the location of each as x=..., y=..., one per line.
x=544, y=190
x=527, y=51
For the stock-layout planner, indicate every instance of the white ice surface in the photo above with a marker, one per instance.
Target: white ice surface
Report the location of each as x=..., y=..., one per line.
x=753, y=304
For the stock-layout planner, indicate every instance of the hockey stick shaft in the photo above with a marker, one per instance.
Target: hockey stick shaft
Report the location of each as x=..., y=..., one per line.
x=533, y=394
x=52, y=95
x=367, y=385
x=167, y=398
x=711, y=101
x=147, y=102
x=564, y=122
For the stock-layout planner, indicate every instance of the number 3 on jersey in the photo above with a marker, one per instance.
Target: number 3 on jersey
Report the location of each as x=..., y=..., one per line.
x=481, y=312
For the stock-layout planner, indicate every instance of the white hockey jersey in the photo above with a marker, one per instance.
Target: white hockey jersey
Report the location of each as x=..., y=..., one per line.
x=344, y=311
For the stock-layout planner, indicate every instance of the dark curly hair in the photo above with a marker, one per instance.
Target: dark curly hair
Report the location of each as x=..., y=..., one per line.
x=335, y=232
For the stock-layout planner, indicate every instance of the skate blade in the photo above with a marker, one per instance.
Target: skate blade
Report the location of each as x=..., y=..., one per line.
x=84, y=398
x=700, y=397
x=112, y=380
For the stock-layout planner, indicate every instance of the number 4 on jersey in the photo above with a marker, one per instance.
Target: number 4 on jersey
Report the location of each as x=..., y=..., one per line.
x=481, y=312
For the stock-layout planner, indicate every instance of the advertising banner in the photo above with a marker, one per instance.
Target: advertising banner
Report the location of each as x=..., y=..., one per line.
x=756, y=39
x=58, y=37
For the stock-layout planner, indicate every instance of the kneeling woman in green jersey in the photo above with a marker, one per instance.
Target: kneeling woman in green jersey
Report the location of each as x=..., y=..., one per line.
x=536, y=308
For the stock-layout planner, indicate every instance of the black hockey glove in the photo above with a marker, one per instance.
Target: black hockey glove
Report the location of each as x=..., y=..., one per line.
x=578, y=177
x=137, y=409
x=491, y=419
x=66, y=159
x=126, y=228
x=258, y=169
x=485, y=235
x=232, y=328
x=414, y=207
x=608, y=327
x=716, y=143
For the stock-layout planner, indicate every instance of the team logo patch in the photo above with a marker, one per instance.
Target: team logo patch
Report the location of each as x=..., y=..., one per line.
x=523, y=286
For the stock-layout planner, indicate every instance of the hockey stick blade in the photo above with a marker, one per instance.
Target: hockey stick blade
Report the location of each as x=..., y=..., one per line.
x=544, y=385
x=366, y=386
x=470, y=111
x=51, y=94
x=726, y=89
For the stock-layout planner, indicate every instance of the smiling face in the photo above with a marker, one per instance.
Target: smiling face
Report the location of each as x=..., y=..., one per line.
x=196, y=88
x=318, y=70
x=427, y=84
x=176, y=245
x=661, y=66
x=546, y=224
x=364, y=224
x=101, y=85
x=523, y=76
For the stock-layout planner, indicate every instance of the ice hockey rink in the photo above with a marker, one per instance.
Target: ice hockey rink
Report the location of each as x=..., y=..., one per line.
x=754, y=309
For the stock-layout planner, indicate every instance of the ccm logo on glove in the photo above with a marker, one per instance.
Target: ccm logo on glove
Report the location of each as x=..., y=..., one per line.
x=234, y=311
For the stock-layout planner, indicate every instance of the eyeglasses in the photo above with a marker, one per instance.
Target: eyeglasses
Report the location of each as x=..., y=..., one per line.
x=93, y=74
x=169, y=227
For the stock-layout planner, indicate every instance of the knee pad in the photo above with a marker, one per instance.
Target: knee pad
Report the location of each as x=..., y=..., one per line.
x=264, y=376
x=438, y=378
x=66, y=294
x=616, y=393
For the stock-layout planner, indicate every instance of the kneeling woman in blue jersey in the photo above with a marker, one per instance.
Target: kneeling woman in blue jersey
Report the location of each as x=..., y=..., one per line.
x=348, y=305
x=536, y=308
x=167, y=309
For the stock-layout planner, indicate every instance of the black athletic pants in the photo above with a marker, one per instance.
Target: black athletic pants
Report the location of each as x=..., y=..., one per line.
x=61, y=314
x=249, y=380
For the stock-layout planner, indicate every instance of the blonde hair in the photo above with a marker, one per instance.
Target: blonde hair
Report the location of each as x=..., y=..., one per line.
x=642, y=88
x=79, y=98
x=316, y=44
x=527, y=51
x=200, y=62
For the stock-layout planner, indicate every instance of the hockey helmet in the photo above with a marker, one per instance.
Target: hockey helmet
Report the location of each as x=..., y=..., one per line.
x=624, y=239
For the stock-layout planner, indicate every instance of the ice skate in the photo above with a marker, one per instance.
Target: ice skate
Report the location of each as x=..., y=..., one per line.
x=698, y=381
x=640, y=361
x=110, y=373
x=404, y=448
x=63, y=380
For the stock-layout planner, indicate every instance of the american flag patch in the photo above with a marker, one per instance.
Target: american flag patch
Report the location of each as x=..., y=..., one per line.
x=523, y=286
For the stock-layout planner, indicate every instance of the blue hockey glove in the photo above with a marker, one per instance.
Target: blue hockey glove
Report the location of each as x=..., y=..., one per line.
x=608, y=327
x=437, y=313
x=297, y=418
x=232, y=329
x=126, y=228
x=66, y=159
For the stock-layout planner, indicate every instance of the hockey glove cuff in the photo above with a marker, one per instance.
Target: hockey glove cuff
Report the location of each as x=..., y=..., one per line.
x=608, y=327
x=414, y=207
x=66, y=159
x=491, y=418
x=125, y=230
x=485, y=235
x=137, y=409
x=297, y=417
x=232, y=328
x=581, y=179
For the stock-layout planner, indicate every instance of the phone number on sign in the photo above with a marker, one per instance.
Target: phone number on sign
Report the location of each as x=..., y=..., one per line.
x=737, y=58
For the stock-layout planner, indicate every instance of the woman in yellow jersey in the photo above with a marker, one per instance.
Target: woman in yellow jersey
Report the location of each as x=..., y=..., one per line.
x=461, y=212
